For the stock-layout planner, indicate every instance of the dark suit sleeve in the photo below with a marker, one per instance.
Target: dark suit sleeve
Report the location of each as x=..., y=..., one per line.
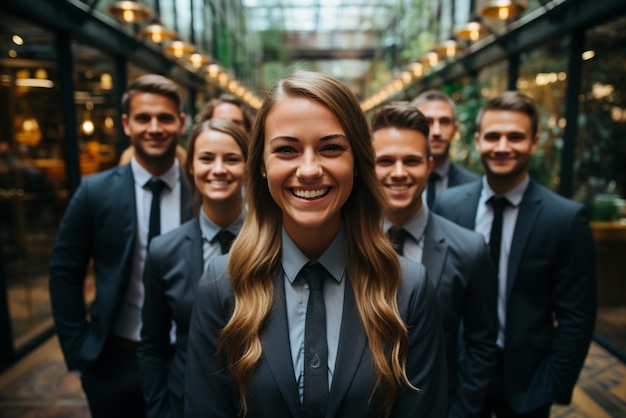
x=426, y=360
x=574, y=306
x=208, y=387
x=68, y=266
x=154, y=350
x=480, y=330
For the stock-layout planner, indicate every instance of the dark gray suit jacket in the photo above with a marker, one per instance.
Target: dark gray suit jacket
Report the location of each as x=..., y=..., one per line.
x=173, y=267
x=459, y=266
x=273, y=392
x=100, y=225
x=459, y=175
x=551, y=304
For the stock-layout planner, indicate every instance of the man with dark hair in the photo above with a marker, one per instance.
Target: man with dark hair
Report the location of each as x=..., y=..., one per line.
x=456, y=259
x=109, y=222
x=229, y=107
x=440, y=112
x=543, y=250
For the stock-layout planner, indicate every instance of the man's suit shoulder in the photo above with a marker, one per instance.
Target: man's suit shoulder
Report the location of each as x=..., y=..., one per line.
x=172, y=239
x=460, y=175
x=455, y=235
x=106, y=175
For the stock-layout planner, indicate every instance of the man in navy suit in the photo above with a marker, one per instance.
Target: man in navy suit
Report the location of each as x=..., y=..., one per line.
x=457, y=260
x=107, y=222
x=439, y=110
x=544, y=250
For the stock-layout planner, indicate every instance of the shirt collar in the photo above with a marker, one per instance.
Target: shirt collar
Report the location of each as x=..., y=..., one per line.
x=443, y=169
x=514, y=195
x=210, y=229
x=415, y=226
x=142, y=176
x=293, y=259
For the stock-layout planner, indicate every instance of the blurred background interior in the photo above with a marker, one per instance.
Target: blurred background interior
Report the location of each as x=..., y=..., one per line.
x=65, y=63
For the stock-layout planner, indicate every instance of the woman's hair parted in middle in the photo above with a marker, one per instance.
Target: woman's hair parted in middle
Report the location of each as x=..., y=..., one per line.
x=372, y=265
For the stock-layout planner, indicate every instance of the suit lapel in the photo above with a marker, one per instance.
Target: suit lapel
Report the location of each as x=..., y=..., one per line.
x=193, y=249
x=276, y=349
x=435, y=251
x=186, y=201
x=467, y=217
x=352, y=342
x=528, y=211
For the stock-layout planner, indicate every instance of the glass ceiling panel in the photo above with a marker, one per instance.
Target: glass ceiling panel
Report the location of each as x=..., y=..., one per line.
x=319, y=15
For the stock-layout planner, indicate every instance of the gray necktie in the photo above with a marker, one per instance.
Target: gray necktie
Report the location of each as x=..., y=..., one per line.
x=315, y=344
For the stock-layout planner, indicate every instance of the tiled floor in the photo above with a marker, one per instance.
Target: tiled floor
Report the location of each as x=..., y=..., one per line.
x=40, y=387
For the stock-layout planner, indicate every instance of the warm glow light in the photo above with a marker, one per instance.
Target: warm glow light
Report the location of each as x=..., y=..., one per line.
x=12, y=53
x=213, y=70
x=474, y=31
x=418, y=69
x=17, y=40
x=88, y=127
x=587, y=55
x=109, y=123
x=222, y=78
x=41, y=74
x=106, y=81
x=34, y=82
x=503, y=13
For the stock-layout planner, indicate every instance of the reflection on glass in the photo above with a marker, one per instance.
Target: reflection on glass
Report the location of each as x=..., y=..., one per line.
x=33, y=194
x=541, y=76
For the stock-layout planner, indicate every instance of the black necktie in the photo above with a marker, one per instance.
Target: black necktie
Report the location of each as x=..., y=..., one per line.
x=315, y=345
x=431, y=190
x=225, y=238
x=156, y=187
x=397, y=236
x=498, y=203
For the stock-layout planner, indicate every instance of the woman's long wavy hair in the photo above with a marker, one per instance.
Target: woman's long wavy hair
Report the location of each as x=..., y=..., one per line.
x=372, y=265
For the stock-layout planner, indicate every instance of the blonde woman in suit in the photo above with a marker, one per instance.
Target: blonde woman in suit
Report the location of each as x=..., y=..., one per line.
x=314, y=203
x=217, y=154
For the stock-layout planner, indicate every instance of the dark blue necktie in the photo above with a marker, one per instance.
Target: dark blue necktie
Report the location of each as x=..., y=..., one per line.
x=156, y=187
x=397, y=236
x=315, y=344
x=498, y=203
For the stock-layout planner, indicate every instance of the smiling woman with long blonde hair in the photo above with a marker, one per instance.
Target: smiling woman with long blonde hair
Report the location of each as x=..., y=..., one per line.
x=314, y=204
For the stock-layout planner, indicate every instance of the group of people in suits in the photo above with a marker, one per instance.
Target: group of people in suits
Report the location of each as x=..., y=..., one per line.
x=312, y=312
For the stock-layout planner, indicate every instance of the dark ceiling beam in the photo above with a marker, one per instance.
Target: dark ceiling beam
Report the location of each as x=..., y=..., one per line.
x=551, y=22
x=332, y=54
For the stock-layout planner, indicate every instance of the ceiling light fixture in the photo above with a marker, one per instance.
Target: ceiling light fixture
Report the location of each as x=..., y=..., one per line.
x=179, y=48
x=503, y=9
x=130, y=11
x=472, y=30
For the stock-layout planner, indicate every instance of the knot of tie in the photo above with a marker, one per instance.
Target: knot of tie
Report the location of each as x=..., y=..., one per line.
x=397, y=235
x=156, y=186
x=225, y=238
x=498, y=203
x=314, y=275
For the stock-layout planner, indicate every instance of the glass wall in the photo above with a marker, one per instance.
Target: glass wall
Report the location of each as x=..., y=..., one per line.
x=543, y=76
x=600, y=168
x=33, y=190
